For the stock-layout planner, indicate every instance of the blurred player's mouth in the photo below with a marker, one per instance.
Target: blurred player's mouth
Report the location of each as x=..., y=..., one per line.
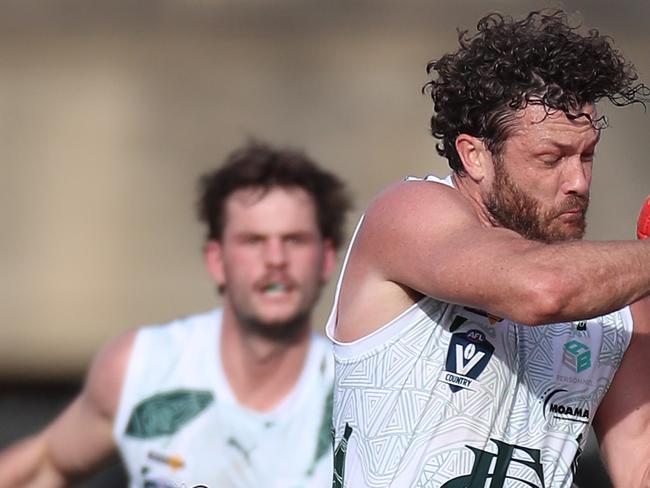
x=275, y=288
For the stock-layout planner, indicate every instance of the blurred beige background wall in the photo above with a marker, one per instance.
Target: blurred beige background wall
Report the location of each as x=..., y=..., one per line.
x=110, y=110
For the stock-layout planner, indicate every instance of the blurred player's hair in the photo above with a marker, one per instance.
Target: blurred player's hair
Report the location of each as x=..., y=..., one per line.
x=258, y=165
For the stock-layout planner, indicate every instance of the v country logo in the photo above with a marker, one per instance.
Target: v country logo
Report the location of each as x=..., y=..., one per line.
x=467, y=356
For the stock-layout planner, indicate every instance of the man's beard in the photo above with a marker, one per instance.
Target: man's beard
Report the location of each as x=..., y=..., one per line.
x=513, y=209
x=285, y=331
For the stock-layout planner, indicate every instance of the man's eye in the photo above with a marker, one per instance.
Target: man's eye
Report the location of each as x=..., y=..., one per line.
x=587, y=158
x=551, y=160
x=297, y=239
x=253, y=239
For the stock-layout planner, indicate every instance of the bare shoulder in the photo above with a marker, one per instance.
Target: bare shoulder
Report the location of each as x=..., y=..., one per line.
x=405, y=229
x=411, y=200
x=106, y=375
x=415, y=214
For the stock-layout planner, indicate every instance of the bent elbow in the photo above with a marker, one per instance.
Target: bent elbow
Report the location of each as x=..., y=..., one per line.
x=547, y=299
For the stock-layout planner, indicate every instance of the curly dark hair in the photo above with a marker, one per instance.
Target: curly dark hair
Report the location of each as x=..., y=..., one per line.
x=508, y=64
x=258, y=165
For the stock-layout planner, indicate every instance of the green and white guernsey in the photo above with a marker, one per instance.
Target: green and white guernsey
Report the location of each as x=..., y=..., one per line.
x=179, y=425
x=446, y=396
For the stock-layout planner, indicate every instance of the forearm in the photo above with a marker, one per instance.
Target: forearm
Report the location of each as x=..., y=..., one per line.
x=28, y=464
x=79, y=439
x=578, y=280
x=463, y=260
x=74, y=444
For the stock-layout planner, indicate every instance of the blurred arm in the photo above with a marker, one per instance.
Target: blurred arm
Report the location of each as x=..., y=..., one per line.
x=80, y=439
x=622, y=421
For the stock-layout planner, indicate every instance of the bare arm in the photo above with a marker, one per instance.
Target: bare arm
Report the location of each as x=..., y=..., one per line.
x=622, y=421
x=79, y=439
x=427, y=238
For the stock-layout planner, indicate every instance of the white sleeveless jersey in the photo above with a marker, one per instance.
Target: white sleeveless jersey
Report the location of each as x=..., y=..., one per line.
x=178, y=424
x=446, y=396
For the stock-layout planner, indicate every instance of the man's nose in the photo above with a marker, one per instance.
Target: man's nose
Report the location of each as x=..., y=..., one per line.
x=577, y=177
x=275, y=253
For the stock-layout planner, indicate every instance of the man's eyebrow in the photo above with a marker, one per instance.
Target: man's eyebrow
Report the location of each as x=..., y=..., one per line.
x=545, y=143
x=248, y=233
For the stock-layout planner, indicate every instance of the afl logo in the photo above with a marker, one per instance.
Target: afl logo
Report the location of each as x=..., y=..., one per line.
x=476, y=336
x=467, y=356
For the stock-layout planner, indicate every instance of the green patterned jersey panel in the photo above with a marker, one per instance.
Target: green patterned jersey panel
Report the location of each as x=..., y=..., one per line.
x=165, y=413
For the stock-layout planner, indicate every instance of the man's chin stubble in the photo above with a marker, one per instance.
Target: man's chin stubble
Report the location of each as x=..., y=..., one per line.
x=285, y=331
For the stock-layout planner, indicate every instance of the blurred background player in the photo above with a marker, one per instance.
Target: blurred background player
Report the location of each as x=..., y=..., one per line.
x=236, y=397
x=485, y=333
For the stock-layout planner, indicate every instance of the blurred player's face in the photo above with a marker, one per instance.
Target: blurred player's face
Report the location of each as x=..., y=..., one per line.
x=541, y=180
x=272, y=260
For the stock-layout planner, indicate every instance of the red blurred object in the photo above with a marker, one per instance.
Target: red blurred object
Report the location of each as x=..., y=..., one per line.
x=643, y=224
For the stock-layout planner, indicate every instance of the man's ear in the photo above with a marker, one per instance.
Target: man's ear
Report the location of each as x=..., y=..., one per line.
x=476, y=158
x=213, y=260
x=329, y=260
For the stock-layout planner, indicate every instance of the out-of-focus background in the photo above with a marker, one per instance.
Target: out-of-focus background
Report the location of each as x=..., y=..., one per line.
x=110, y=110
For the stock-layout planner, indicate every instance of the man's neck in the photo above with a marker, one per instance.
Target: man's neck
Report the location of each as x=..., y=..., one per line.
x=471, y=190
x=261, y=372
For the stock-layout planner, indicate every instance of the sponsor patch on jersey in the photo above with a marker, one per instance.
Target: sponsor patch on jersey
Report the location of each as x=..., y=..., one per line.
x=576, y=356
x=573, y=380
x=167, y=412
x=467, y=356
x=562, y=409
x=173, y=461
